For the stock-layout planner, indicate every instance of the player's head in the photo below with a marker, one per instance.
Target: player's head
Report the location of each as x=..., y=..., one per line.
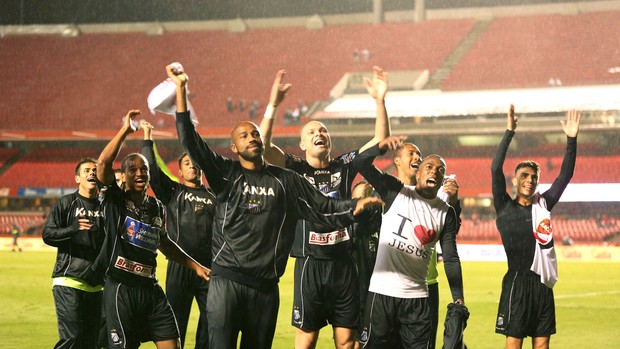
x=247, y=141
x=135, y=172
x=407, y=158
x=188, y=171
x=315, y=140
x=430, y=175
x=117, y=177
x=86, y=175
x=525, y=181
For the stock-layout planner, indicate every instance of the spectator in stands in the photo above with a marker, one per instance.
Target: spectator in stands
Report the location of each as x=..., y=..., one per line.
x=414, y=220
x=230, y=106
x=136, y=308
x=15, y=231
x=323, y=252
x=242, y=105
x=189, y=211
x=75, y=228
x=526, y=305
x=250, y=247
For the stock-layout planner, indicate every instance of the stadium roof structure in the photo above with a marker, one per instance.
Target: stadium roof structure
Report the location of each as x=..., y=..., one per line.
x=437, y=103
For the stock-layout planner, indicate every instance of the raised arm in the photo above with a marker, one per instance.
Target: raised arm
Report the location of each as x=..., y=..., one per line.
x=177, y=75
x=498, y=185
x=162, y=185
x=273, y=154
x=571, y=129
x=386, y=185
x=105, y=172
x=377, y=89
x=198, y=150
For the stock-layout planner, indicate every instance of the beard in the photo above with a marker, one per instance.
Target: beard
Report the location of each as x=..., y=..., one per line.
x=252, y=155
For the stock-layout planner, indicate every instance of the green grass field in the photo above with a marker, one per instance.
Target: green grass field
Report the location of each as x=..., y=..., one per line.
x=587, y=303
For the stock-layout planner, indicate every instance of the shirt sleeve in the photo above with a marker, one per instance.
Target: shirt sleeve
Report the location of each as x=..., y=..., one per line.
x=452, y=262
x=162, y=185
x=214, y=166
x=311, y=204
x=57, y=230
x=500, y=196
x=386, y=185
x=552, y=196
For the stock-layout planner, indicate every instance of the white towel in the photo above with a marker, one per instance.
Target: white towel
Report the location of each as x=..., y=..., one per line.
x=163, y=99
x=545, y=262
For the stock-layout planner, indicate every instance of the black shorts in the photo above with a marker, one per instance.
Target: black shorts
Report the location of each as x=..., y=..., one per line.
x=433, y=304
x=79, y=317
x=233, y=307
x=392, y=322
x=325, y=291
x=526, y=307
x=137, y=314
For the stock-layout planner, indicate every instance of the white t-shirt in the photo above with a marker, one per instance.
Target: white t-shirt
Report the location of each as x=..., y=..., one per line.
x=409, y=231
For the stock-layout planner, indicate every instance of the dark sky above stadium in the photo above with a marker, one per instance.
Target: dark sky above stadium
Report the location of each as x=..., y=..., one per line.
x=14, y=12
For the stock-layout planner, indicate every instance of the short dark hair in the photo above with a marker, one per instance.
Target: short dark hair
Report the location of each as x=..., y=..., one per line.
x=130, y=157
x=82, y=162
x=180, y=159
x=528, y=163
x=397, y=152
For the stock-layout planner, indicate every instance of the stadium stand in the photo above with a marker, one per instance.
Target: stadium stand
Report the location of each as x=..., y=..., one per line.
x=113, y=72
x=528, y=51
x=29, y=224
x=580, y=230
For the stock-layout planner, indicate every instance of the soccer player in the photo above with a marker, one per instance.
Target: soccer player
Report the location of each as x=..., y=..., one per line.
x=189, y=210
x=526, y=306
x=15, y=231
x=256, y=201
x=326, y=283
x=75, y=227
x=135, y=305
x=406, y=159
x=397, y=310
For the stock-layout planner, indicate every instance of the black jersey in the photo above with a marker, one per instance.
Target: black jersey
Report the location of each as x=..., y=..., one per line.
x=514, y=221
x=316, y=240
x=133, y=233
x=77, y=249
x=250, y=243
x=189, y=211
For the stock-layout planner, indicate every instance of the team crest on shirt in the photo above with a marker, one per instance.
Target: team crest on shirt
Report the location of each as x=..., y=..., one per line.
x=544, y=232
x=252, y=206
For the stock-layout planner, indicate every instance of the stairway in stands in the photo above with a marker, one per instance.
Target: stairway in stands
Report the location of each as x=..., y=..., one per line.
x=439, y=75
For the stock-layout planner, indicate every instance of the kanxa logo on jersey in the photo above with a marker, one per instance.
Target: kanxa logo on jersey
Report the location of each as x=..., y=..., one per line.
x=193, y=198
x=140, y=234
x=133, y=267
x=257, y=190
x=81, y=211
x=331, y=238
